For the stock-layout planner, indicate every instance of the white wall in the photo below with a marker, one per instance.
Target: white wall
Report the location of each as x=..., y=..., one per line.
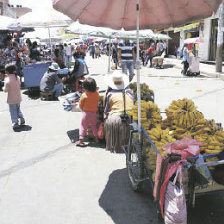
x=206, y=34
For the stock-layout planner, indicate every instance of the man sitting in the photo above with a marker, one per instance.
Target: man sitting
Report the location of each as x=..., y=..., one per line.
x=50, y=82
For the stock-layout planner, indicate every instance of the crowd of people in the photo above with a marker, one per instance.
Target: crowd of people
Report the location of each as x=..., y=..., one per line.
x=117, y=101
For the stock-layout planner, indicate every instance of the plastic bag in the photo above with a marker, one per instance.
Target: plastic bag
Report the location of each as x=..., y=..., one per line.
x=175, y=211
x=100, y=132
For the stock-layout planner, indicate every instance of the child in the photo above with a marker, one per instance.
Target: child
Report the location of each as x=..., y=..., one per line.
x=89, y=105
x=12, y=86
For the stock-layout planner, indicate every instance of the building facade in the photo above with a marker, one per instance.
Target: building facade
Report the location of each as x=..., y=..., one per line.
x=207, y=29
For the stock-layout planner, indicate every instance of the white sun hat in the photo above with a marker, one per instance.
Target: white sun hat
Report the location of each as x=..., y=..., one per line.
x=54, y=66
x=117, y=77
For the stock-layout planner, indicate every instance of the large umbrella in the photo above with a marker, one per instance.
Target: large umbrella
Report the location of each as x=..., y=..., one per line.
x=196, y=40
x=154, y=14
x=42, y=18
x=94, y=31
x=82, y=29
x=161, y=36
x=5, y=21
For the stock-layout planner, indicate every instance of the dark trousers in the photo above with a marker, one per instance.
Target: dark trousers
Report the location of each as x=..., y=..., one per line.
x=186, y=66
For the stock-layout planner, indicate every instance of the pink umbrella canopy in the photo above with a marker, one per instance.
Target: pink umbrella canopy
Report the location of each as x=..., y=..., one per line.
x=196, y=40
x=154, y=14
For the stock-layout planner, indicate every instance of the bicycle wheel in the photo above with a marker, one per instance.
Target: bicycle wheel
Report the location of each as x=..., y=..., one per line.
x=135, y=165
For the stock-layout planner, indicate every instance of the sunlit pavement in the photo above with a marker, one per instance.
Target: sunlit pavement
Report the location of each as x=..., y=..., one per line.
x=45, y=178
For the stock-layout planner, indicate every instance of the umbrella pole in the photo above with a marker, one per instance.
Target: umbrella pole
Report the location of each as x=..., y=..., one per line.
x=138, y=65
x=49, y=33
x=109, y=55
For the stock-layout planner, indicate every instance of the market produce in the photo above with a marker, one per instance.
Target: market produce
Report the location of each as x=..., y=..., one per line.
x=184, y=119
x=183, y=113
x=160, y=138
x=150, y=114
x=144, y=91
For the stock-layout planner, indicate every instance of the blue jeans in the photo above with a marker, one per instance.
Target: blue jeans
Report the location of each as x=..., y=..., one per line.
x=15, y=112
x=128, y=65
x=68, y=58
x=58, y=89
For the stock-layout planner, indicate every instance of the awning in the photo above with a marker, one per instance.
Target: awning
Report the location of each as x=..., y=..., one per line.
x=187, y=27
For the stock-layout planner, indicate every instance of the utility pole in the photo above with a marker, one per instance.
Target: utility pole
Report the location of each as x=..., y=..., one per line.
x=220, y=38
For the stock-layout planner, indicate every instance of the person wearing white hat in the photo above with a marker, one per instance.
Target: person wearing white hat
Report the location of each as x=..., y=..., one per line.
x=118, y=101
x=50, y=82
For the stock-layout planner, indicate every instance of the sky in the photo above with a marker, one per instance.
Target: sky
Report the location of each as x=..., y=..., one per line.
x=32, y=3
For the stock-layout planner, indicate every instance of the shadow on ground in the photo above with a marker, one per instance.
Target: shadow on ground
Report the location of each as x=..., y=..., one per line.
x=74, y=137
x=208, y=209
x=168, y=66
x=23, y=128
x=34, y=95
x=95, y=74
x=125, y=206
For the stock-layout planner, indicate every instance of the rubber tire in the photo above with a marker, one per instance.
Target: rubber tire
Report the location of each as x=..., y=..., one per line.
x=135, y=149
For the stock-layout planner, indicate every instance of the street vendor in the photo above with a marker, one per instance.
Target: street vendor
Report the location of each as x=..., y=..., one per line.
x=80, y=69
x=50, y=82
x=185, y=58
x=118, y=100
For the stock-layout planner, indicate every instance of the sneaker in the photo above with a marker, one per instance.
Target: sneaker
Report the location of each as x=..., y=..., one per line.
x=15, y=126
x=22, y=121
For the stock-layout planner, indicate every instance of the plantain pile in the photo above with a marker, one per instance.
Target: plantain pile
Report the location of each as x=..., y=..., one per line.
x=144, y=91
x=183, y=113
x=183, y=119
x=160, y=138
x=150, y=114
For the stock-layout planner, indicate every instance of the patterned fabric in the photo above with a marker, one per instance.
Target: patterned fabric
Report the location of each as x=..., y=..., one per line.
x=175, y=211
x=116, y=133
x=114, y=102
x=126, y=51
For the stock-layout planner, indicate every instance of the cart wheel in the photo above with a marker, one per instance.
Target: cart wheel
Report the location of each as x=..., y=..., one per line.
x=135, y=165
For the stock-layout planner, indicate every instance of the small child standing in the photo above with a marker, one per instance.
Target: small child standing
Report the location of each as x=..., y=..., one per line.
x=89, y=105
x=12, y=86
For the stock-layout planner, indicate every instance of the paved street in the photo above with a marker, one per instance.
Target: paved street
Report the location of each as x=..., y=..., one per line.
x=46, y=179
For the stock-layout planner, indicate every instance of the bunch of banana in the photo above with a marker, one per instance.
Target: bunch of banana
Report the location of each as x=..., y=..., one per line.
x=210, y=135
x=160, y=138
x=178, y=106
x=191, y=130
x=179, y=133
x=204, y=126
x=151, y=158
x=183, y=113
x=144, y=91
x=203, y=138
x=150, y=114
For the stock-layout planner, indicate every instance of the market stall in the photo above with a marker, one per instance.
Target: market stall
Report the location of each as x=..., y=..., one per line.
x=33, y=73
x=184, y=140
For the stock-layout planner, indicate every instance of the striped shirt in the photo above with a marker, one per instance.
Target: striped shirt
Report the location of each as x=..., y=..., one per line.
x=126, y=51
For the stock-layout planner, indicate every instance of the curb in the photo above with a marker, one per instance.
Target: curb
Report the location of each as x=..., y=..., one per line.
x=219, y=75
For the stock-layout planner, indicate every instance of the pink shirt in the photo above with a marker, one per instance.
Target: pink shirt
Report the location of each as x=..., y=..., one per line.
x=12, y=86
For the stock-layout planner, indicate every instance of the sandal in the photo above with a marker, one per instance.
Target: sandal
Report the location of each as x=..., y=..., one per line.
x=80, y=144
